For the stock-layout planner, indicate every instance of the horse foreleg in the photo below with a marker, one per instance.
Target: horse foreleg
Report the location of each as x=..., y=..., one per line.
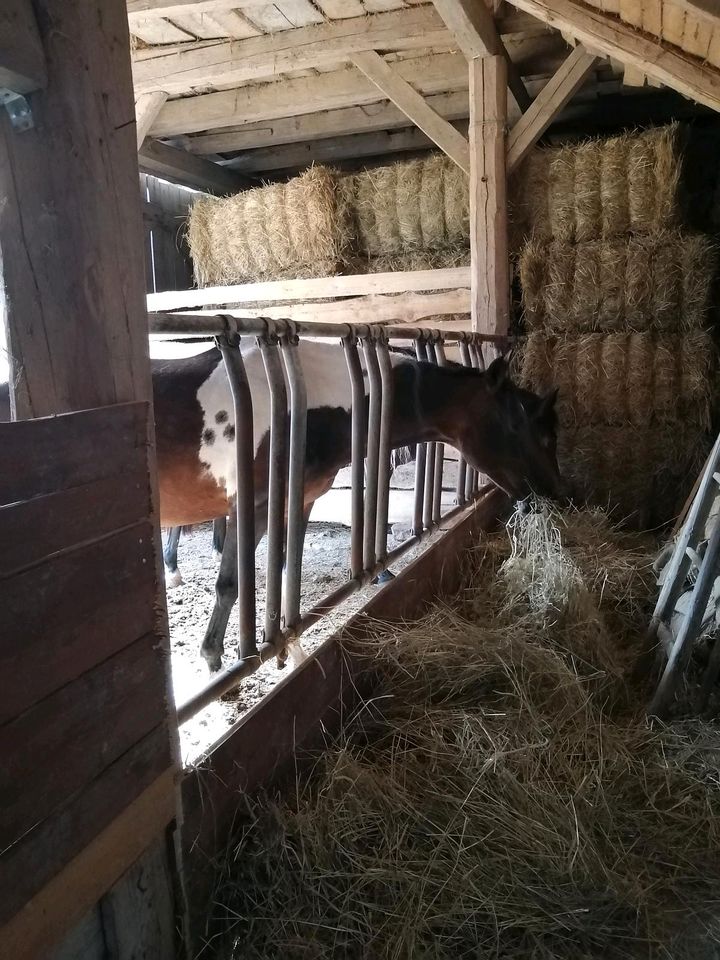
x=173, y=577
x=226, y=589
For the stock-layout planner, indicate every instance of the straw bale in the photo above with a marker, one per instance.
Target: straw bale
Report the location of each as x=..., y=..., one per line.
x=415, y=260
x=601, y=188
x=640, y=379
x=640, y=474
x=418, y=204
x=294, y=229
x=657, y=283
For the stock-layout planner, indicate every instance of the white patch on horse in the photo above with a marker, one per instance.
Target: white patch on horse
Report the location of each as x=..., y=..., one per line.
x=173, y=579
x=326, y=380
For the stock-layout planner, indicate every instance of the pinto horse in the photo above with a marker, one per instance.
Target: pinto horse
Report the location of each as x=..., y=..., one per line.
x=503, y=431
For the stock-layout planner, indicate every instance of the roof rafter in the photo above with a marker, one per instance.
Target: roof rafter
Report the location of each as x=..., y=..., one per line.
x=605, y=34
x=472, y=24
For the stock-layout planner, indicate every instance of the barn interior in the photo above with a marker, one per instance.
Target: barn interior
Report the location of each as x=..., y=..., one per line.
x=480, y=757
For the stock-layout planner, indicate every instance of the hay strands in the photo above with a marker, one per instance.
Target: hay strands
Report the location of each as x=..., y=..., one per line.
x=681, y=563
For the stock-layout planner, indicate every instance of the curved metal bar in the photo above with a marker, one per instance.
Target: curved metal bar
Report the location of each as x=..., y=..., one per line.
x=429, y=498
x=278, y=465
x=460, y=493
x=386, y=410
x=296, y=478
x=373, y=452
x=478, y=362
x=441, y=360
x=357, y=443
x=245, y=496
x=421, y=452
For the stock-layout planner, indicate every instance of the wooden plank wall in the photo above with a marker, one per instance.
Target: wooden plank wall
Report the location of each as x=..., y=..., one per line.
x=168, y=265
x=87, y=778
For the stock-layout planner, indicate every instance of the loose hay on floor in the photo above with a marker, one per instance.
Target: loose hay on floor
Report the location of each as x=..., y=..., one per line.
x=661, y=282
x=301, y=228
x=493, y=801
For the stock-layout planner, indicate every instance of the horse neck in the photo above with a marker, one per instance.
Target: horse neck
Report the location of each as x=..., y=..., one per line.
x=431, y=403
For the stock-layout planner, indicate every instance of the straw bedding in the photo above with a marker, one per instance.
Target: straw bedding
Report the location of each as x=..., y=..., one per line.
x=662, y=282
x=497, y=798
x=599, y=189
x=301, y=228
x=623, y=378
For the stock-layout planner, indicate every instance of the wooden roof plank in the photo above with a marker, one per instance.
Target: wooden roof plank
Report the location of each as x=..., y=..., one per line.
x=341, y=88
x=672, y=67
x=256, y=58
x=147, y=107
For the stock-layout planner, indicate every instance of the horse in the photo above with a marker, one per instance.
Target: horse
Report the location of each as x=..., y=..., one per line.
x=503, y=431
x=173, y=577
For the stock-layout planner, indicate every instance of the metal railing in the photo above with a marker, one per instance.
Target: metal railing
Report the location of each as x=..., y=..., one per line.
x=278, y=342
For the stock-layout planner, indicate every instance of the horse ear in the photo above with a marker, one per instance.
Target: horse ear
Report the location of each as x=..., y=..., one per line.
x=497, y=373
x=547, y=404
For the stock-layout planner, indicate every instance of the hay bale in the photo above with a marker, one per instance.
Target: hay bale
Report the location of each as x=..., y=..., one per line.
x=641, y=475
x=415, y=260
x=415, y=205
x=623, y=378
x=660, y=283
x=296, y=229
x=601, y=188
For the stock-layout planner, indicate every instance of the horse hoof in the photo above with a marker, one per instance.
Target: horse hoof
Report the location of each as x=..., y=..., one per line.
x=384, y=577
x=173, y=579
x=217, y=556
x=214, y=664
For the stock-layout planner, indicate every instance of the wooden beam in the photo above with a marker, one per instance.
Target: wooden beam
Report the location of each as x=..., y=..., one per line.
x=489, y=270
x=548, y=104
x=374, y=308
x=414, y=106
x=335, y=149
x=290, y=98
x=22, y=58
x=472, y=24
x=178, y=166
x=377, y=118
x=608, y=35
x=147, y=107
x=229, y=63
x=317, y=288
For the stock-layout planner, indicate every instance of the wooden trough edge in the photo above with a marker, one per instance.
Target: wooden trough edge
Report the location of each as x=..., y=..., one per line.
x=298, y=714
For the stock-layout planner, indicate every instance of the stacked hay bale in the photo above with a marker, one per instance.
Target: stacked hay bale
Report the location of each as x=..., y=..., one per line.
x=301, y=228
x=411, y=216
x=615, y=297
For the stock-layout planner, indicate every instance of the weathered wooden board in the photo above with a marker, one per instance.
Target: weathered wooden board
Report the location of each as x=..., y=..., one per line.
x=50, y=454
x=59, y=745
x=37, y=857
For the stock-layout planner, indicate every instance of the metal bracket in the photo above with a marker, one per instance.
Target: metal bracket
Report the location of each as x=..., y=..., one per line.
x=18, y=109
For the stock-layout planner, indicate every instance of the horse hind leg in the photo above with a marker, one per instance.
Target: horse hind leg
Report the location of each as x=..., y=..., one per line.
x=219, y=533
x=173, y=577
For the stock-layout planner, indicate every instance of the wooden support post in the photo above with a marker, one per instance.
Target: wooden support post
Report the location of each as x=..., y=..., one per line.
x=22, y=59
x=489, y=271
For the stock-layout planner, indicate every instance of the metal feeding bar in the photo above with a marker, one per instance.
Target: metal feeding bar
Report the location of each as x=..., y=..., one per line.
x=282, y=513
